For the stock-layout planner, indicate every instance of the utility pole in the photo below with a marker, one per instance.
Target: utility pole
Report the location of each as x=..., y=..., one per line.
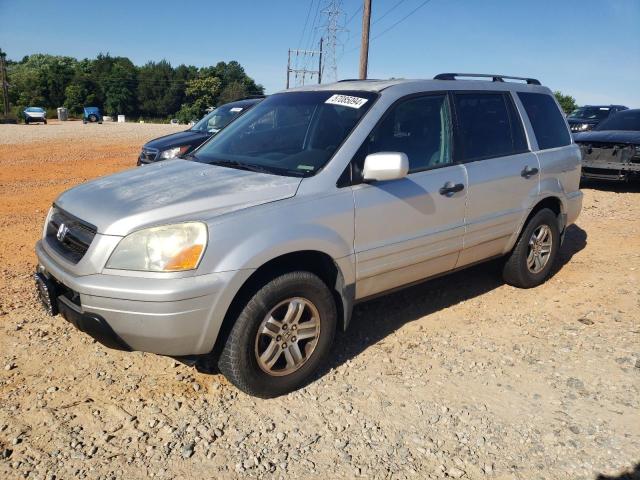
x=364, y=48
x=5, y=83
x=303, y=72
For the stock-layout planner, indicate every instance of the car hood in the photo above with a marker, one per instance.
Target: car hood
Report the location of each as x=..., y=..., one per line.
x=35, y=114
x=171, y=191
x=179, y=139
x=612, y=136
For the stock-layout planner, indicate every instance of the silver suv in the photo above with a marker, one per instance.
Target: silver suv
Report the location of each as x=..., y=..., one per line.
x=250, y=253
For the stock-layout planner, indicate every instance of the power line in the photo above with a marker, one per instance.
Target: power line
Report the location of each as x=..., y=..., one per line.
x=312, y=34
x=388, y=12
x=402, y=19
x=393, y=25
x=353, y=15
x=305, y=23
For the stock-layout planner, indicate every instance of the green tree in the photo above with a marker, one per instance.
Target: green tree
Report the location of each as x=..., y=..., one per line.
x=567, y=102
x=119, y=87
x=75, y=96
x=234, y=91
x=201, y=93
x=160, y=91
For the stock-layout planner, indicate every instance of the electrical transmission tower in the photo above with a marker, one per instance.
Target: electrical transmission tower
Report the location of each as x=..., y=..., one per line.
x=333, y=28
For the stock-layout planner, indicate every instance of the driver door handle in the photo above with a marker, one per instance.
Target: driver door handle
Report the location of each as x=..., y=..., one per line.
x=528, y=171
x=449, y=188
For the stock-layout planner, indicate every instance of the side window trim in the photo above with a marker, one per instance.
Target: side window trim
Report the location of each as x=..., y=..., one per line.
x=348, y=176
x=509, y=105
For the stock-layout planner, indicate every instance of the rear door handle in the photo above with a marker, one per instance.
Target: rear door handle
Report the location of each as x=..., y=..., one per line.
x=528, y=171
x=449, y=188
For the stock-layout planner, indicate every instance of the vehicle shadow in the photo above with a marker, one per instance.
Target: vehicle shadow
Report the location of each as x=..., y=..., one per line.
x=630, y=475
x=374, y=320
x=612, y=186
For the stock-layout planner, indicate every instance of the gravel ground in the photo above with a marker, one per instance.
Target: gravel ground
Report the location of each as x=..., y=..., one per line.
x=108, y=132
x=461, y=377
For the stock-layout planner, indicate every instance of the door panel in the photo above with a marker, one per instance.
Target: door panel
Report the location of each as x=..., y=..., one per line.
x=503, y=174
x=406, y=230
x=498, y=199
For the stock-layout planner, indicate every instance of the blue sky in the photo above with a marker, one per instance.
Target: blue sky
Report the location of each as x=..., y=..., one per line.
x=587, y=48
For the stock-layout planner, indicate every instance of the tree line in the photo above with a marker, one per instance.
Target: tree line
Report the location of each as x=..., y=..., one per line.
x=156, y=90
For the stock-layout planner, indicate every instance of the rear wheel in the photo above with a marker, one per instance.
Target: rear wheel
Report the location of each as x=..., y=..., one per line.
x=531, y=260
x=281, y=337
x=93, y=118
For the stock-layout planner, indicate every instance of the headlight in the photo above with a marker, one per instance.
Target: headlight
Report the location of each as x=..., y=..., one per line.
x=583, y=127
x=170, y=248
x=173, y=152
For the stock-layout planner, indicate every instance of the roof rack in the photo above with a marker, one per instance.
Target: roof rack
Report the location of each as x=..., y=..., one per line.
x=359, y=80
x=496, y=78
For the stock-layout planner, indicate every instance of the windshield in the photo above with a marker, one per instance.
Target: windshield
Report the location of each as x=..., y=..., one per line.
x=294, y=133
x=628, y=120
x=590, y=113
x=219, y=118
x=34, y=109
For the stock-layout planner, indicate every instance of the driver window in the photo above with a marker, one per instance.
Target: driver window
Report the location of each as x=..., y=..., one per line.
x=420, y=127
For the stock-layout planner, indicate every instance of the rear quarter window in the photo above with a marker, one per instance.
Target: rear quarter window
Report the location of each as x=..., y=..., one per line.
x=547, y=121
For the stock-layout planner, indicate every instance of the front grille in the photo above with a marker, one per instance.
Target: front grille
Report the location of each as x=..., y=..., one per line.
x=77, y=237
x=148, y=155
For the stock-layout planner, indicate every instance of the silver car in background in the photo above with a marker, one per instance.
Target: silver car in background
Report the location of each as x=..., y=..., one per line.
x=250, y=253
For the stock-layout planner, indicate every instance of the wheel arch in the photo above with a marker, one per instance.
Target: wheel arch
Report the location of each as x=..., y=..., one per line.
x=551, y=202
x=314, y=261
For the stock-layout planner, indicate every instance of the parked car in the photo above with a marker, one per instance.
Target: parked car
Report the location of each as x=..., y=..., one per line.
x=34, y=115
x=251, y=253
x=91, y=115
x=182, y=143
x=611, y=151
x=585, y=118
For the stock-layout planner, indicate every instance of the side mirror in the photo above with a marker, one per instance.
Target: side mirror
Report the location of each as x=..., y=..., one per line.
x=385, y=166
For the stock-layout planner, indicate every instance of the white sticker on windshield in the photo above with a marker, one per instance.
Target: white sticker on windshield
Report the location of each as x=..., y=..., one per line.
x=236, y=109
x=346, y=101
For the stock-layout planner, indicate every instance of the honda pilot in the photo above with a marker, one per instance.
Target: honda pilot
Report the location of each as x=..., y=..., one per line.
x=250, y=253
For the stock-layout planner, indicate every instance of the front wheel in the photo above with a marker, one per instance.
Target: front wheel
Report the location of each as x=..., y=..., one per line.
x=531, y=260
x=281, y=337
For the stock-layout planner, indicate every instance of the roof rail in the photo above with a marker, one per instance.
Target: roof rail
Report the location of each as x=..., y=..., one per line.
x=496, y=78
x=359, y=80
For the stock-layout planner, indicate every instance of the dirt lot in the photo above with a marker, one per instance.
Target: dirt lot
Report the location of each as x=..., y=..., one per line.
x=462, y=377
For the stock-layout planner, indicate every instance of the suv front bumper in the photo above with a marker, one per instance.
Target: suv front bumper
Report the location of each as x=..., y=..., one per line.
x=167, y=316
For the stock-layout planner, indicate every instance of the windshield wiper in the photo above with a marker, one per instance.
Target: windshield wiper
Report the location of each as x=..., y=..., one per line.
x=242, y=166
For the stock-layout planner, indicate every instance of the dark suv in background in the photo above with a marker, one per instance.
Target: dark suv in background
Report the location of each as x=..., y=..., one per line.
x=181, y=143
x=585, y=118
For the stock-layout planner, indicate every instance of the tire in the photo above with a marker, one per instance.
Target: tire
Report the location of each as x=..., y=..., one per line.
x=522, y=269
x=93, y=118
x=239, y=360
x=26, y=121
x=45, y=122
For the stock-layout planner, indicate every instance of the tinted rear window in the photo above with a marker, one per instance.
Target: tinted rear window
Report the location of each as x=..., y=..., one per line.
x=488, y=126
x=546, y=120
